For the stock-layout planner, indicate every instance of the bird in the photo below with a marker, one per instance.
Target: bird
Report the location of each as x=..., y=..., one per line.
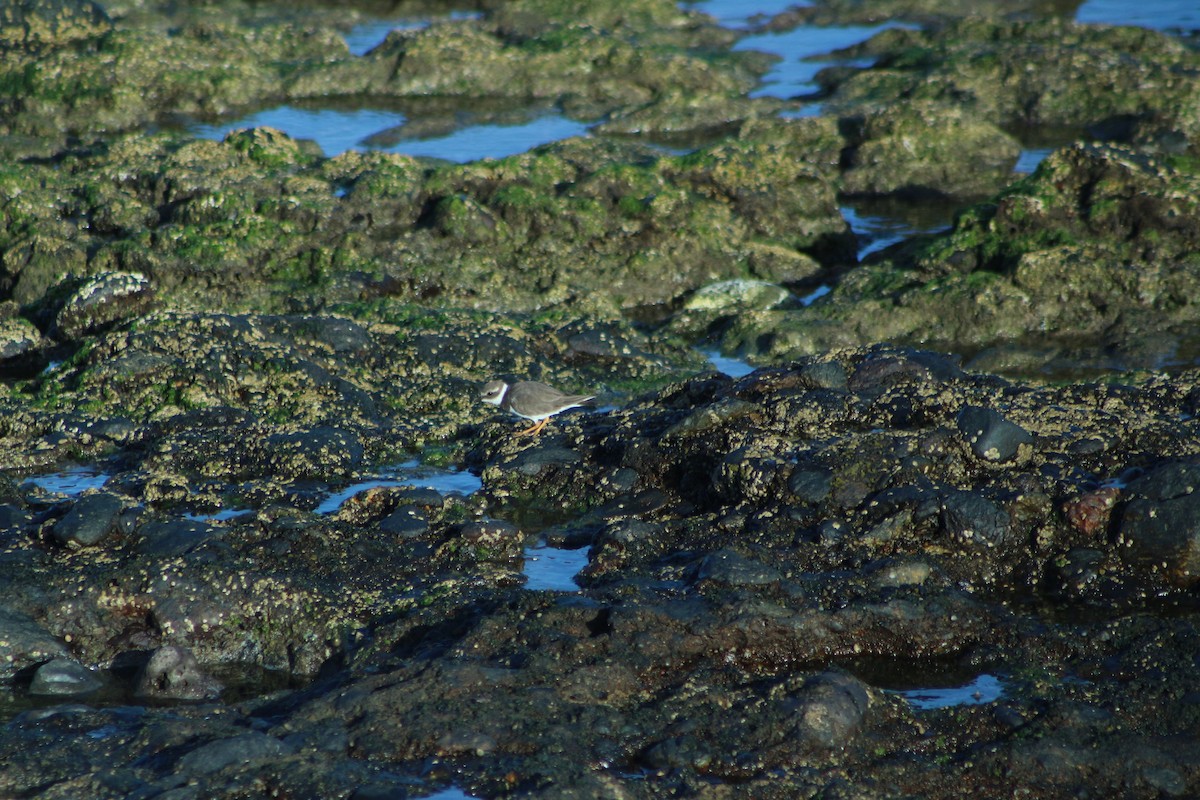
x=532, y=400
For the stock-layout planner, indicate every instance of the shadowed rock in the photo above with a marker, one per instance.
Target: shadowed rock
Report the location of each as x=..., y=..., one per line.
x=173, y=673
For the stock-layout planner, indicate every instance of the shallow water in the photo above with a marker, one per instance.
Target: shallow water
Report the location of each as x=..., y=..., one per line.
x=409, y=473
x=552, y=568
x=365, y=36
x=239, y=682
x=70, y=482
x=450, y=793
x=983, y=689
x=883, y=223
x=1029, y=159
x=793, y=75
x=1163, y=15
x=739, y=14
x=730, y=365
x=336, y=131
x=218, y=516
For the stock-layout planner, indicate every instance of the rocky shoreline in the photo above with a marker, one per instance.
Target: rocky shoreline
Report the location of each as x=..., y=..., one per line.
x=913, y=491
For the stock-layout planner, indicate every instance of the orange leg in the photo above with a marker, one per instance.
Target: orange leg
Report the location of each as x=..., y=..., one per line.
x=534, y=429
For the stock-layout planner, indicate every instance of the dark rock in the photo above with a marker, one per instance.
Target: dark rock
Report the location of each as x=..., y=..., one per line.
x=728, y=567
x=990, y=435
x=103, y=300
x=747, y=476
x=830, y=709
x=173, y=673
x=13, y=518
x=1078, y=570
x=490, y=533
x=90, y=519
x=320, y=451
x=831, y=531
x=641, y=503
x=927, y=149
x=887, y=368
x=970, y=519
x=37, y=263
x=61, y=676
x=810, y=484
x=729, y=411
x=342, y=336
x=23, y=642
x=1161, y=523
x=825, y=375
x=242, y=750
x=422, y=496
x=405, y=522
x=621, y=542
x=19, y=341
x=534, y=462
x=167, y=538
x=678, y=752
x=599, y=344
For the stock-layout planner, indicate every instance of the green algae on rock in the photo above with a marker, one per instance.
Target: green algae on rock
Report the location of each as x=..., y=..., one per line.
x=1041, y=72
x=33, y=25
x=257, y=222
x=927, y=149
x=96, y=76
x=1101, y=239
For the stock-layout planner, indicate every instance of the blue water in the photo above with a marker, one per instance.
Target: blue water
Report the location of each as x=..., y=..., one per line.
x=450, y=793
x=493, y=141
x=736, y=14
x=409, y=473
x=984, y=689
x=71, y=482
x=553, y=569
x=730, y=365
x=365, y=36
x=1163, y=15
x=793, y=75
x=223, y=515
x=1028, y=161
x=1157, y=14
x=336, y=131
x=877, y=231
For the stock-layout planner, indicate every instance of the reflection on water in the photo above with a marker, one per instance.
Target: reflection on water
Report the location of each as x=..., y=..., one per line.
x=928, y=683
x=1029, y=159
x=879, y=224
x=553, y=569
x=1163, y=15
x=338, y=130
x=729, y=365
x=364, y=37
x=334, y=130
x=117, y=693
x=412, y=474
x=983, y=689
x=738, y=13
x=450, y=793
x=71, y=482
x=489, y=141
x=793, y=75
x=217, y=516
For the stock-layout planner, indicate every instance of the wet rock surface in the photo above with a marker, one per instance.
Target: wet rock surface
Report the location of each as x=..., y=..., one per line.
x=259, y=538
